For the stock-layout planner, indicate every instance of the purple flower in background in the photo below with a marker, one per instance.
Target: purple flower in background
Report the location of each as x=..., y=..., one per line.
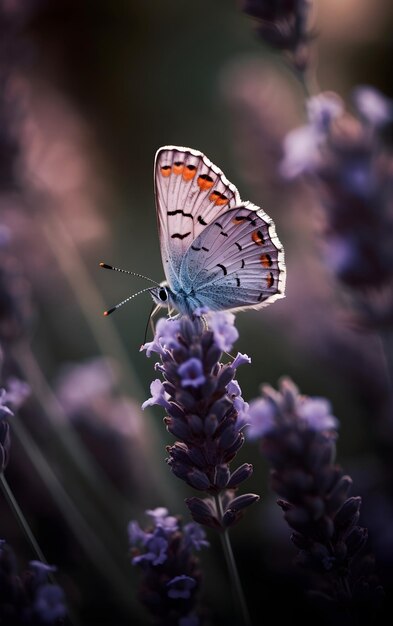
x=205, y=412
x=180, y=586
x=28, y=598
x=49, y=604
x=350, y=164
x=168, y=586
x=297, y=437
x=283, y=24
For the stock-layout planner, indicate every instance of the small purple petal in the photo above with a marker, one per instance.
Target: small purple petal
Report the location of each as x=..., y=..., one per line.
x=191, y=373
x=181, y=586
x=240, y=359
x=195, y=535
x=261, y=417
x=317, y=413
x=374, y=107
x=49, y=603
x=224, y=331
x=159, y=396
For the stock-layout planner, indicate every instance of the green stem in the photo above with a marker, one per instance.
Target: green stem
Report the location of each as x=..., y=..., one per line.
x=23, y=523
x=232, y=569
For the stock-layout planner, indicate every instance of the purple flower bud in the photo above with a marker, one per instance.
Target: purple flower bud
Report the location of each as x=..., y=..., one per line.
x=348, y=514
x=198, y=480
x=204, y=512
x=240, y=475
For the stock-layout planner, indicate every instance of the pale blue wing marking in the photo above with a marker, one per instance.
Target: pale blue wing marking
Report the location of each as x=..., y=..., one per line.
x=236, y=262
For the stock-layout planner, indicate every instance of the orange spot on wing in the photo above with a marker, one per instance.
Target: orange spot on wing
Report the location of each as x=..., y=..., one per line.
x=270, y=280
x=189, y=172
x=266, y=260
x=257, y=237
x=218, y=198
x=178, y=167
x=166, y=170
x=205, y=182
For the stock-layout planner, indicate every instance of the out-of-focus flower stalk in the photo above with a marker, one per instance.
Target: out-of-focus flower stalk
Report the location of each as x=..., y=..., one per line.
x=297, y=436
x=348, y=159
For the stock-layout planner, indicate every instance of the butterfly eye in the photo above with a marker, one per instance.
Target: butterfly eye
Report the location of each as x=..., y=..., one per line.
x=162, y=294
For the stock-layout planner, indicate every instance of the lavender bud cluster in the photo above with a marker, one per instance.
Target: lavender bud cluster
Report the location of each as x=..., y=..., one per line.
x=297, y=436
x=28, y=598
x=205, y=412
x=283, y=24
x=350, y=162
x=165, y=553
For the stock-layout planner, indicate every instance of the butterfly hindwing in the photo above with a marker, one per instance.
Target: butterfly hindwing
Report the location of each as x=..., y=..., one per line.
x=236, y=262
x=191, y=193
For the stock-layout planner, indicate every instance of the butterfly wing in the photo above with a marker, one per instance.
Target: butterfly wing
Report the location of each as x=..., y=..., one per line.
x=236, y=262
x=191, y=192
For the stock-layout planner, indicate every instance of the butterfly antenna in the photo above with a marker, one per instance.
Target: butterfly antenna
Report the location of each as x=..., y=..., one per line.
x=118, y=269
x=109, y=311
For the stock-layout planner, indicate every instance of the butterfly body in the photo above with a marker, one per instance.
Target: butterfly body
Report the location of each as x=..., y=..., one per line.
x=218, y=252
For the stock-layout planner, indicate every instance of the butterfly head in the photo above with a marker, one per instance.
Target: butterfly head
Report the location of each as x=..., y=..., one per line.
x=162, y=295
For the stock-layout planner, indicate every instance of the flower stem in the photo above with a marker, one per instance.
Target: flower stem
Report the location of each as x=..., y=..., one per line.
x=232, y=569
x=22, y=520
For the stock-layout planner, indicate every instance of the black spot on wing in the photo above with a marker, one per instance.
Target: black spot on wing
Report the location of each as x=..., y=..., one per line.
x=179, y=236
x=181, y=212
x=202, y=221
x=224, y=269
x=198, y=249
x=238, y=245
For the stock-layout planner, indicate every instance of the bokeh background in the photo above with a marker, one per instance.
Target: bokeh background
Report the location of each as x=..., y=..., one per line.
x=89, y=92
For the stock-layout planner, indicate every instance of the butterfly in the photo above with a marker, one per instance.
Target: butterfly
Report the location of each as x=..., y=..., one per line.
x=218, y=252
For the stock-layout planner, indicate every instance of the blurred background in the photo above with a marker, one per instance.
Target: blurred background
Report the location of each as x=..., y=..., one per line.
x=89, y=92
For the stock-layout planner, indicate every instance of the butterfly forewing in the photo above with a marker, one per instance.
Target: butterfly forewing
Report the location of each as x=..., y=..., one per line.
x=191, y=193
x=236, y=262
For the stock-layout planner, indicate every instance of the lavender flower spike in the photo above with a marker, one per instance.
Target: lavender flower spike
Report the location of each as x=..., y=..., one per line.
x=205, y=412
x=297, y=436
x=169, y=586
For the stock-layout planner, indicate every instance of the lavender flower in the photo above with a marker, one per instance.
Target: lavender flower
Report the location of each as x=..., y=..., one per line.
x=297, y=436
x=28, y=598
x=205, y=412
x=283, y=24
x=346, y=157
x=165, y=552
